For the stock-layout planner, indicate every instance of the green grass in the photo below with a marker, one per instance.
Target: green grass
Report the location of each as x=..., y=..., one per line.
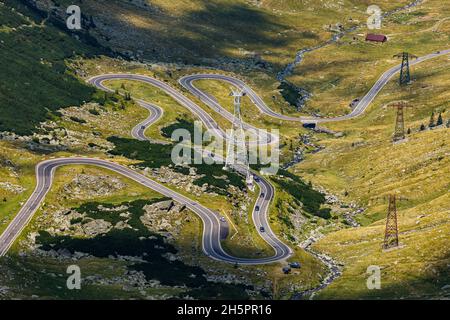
x=203, y=32
x=10, y=19
x=155, y=155
x=301, y=191
x=138, y=242
x=338, y=73
x=367, y=166
x=34, y=80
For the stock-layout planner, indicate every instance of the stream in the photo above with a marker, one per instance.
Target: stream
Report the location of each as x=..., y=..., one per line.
x=289, y=69
x=334, y=273
x=335, y=269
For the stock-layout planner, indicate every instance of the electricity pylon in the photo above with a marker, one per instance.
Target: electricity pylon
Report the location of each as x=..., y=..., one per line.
x=399, y=132
x=405, y=74
x=237, y=154
x=391, y=232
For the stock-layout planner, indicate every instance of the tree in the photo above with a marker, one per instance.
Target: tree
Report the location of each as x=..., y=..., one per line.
x=440, y=121
x=4, y=199
x=432, y=123
x=422, y=127
x=408, y=131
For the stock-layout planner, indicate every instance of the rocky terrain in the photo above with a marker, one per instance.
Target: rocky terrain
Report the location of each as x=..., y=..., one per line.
x=164, y=216
x=10, y=187
x=179, y=180
x=85, y=186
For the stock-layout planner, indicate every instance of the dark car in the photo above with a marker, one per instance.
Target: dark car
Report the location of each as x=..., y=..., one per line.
x=261, y=229
x=257, y=208
x=286, y=270
x=262, y=194
x=295, y=265
x=143, y=127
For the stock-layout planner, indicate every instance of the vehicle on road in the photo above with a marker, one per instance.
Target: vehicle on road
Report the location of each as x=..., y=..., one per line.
x=143, y=127
x=223, y=219
x=261, y=229
x=257, y=208
x=262, y=195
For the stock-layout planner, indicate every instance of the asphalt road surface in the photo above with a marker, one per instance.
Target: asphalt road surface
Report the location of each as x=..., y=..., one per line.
x=213, y=227
x=211, y=220
x=201, y=114
x=188, y=83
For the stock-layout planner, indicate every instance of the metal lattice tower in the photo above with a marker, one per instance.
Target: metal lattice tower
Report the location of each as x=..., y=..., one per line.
x=391, y=233
x=237, y=154
x=405, y=74
x=399, y=132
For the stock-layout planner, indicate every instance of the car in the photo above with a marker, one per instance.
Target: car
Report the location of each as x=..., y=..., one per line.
x=295, y=265
x=286, y=270
x=257, y=179
x=257, y=208
x=262, y=194
x=261, y=229
x=223, y=219
x=143, y=127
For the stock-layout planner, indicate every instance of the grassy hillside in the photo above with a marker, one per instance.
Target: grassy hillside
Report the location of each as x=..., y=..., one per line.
x=34, y=81
x=211, y=31
x=365, y=166
x=254, y=39
x=338, y=73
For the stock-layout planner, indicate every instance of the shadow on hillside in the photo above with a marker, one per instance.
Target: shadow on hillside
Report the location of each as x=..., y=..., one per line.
x=209, y=32
x=431, y=286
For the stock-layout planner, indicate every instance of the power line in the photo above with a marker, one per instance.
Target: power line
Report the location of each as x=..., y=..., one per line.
x=237, y=154
x=405, y=73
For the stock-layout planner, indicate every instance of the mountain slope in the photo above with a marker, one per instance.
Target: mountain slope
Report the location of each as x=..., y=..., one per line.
x=34, y=81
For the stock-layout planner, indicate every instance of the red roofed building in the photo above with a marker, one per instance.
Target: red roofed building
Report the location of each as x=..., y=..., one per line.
x=376, y=37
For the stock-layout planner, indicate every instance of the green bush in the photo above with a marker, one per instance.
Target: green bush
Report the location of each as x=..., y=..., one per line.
x=301, y=191
x=34, y=80
x=151, y=247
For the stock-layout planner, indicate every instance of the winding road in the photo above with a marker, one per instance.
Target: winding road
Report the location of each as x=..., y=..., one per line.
x=212, y=224
x=188, y=83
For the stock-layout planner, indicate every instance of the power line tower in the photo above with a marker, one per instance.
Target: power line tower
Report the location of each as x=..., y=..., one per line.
x=391, y=232
x=399, y=132
x=237, y=154
x=405, y=74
